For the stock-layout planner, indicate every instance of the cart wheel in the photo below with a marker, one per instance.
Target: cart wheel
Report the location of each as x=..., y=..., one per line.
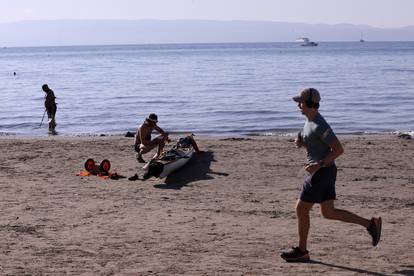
x=105, y=166
x=89, y=165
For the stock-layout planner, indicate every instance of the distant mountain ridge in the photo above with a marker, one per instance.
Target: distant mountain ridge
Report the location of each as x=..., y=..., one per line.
x=103, y=32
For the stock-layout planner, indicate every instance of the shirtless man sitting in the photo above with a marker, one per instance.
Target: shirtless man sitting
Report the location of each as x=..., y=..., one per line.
x=143, y=142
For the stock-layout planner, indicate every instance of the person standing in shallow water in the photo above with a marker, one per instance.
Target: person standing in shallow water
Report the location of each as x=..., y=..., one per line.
x=322, y=147
x=50, y=105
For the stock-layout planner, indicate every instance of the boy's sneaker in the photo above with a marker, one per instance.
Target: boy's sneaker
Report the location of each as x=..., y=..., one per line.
x=374, y=229
x=295, y=255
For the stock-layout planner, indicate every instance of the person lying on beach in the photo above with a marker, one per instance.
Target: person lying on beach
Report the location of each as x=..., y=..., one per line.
x=143, y=142
x=50, y=105
x=187, y=141
x=323, y=147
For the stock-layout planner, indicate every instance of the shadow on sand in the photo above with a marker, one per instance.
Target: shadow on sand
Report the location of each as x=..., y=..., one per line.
x=198, y=168
x=407, y=272
x=353, y=269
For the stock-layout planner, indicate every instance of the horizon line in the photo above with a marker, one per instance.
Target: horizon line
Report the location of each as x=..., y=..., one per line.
x=209, y=20
x=201, y=43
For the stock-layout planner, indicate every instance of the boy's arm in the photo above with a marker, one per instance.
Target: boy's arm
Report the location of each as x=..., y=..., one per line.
x=160, y=130
x=137, y=136
x=336, y=151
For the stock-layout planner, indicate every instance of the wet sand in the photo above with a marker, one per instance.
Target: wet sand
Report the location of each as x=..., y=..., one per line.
x=229, y=211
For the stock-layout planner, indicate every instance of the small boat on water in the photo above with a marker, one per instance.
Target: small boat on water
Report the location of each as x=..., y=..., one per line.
x=361, y=39
x=306, y=42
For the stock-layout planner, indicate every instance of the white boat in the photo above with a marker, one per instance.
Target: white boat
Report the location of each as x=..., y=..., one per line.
x=170, y=161
x=306, y=42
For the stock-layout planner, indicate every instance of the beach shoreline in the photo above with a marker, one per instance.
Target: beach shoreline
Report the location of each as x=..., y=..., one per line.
x=229, y=211
x=204, y=136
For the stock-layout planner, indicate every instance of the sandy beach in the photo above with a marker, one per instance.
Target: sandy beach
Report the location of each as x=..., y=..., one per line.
x=229, y=211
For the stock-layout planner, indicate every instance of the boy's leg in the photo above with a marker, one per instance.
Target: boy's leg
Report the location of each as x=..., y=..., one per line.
x=194, y=144
x=49, y=119
x=139, y=157
x=373, y=226
x=329, y=211
x=302, y=211
x=300, y=254
x=51, y=114
x=141, y=149
x=51, y=124
x=160, y=141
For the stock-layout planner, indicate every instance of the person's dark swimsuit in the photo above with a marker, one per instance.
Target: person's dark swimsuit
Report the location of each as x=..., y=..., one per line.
x=50, y=104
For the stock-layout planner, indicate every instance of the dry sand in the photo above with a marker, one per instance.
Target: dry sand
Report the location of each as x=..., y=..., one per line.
x=229, y=211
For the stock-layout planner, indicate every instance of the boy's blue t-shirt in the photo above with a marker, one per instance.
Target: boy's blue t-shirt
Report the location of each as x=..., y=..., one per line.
x=317, y=136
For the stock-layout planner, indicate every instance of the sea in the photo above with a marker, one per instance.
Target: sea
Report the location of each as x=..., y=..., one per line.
x=233, y=89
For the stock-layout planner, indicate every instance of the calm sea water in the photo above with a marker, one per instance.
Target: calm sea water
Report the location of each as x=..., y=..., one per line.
x=215, y=89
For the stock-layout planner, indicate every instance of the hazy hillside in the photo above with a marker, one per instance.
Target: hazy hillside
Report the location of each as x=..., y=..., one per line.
x=93, y=32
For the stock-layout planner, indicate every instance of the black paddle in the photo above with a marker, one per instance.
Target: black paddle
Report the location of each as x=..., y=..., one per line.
x=41, y=122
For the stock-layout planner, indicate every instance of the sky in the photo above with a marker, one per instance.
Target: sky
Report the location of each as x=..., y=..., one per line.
x=376, y=13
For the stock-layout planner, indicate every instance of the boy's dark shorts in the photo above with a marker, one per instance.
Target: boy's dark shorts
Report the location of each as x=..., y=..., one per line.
x=321, y=186
x=51, y=110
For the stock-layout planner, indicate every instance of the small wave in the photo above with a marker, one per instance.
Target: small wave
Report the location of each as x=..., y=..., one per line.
x=398, y=70
x=20, y=126
x=7, y=134
x=243, y=112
